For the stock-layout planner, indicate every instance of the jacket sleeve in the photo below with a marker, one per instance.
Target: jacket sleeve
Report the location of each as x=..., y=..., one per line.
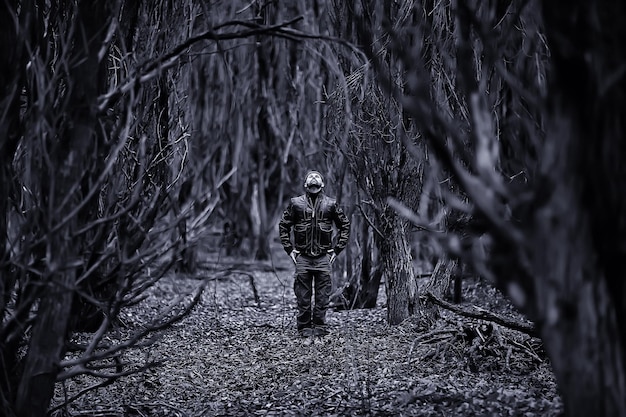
x=343, y=226
x=284, y=228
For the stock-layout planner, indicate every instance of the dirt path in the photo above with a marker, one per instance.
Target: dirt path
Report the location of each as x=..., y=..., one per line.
x=237, y=355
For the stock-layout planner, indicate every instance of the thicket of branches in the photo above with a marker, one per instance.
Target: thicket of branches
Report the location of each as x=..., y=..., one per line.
x=127, y=129
x=118, y=145
x=129, y=125
x=92, y=171
x=530, y=137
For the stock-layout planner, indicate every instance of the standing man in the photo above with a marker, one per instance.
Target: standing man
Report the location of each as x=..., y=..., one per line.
x=311, y=216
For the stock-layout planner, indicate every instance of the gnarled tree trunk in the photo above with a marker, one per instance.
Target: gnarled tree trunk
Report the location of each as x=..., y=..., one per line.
x=400, y=280
x=70, y=154
x=581, y=325
x=362, y=289
x=438, y=285
x=580, y=234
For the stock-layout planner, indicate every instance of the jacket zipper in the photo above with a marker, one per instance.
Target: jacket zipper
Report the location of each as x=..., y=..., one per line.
x=314, y=237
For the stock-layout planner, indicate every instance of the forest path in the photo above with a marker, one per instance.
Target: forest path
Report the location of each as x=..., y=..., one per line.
x=239, y=355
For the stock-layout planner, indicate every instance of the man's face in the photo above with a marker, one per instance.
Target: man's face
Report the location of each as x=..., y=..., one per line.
x=313, y=182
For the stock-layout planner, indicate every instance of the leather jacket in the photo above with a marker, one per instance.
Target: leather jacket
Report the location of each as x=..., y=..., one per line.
x=312, y=222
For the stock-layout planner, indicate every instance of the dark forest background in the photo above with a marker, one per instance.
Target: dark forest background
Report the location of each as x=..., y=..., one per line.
x=462, y=137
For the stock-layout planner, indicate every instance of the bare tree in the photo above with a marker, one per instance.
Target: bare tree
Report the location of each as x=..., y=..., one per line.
x=551, y=242
x=266, y=146
x=87, y=201
x=96, y=158
x=60, y=190
x=375, y=151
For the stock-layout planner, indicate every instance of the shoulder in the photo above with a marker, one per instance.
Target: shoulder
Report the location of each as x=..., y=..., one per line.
x=329, y=201
x=332, y=200
x=297, y=201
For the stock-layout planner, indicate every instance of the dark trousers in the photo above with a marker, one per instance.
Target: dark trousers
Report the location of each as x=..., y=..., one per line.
x=312, y=273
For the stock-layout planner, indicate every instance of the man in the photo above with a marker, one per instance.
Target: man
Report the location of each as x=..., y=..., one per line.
x=312, y=216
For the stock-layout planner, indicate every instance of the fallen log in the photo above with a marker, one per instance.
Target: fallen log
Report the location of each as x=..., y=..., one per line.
x=479, y=313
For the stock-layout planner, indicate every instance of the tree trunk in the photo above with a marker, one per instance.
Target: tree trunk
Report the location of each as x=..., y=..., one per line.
x=438, y=285
x=6, y=277
x=8, y=350
x=401, y=284
x=9, y=134
x=70, y=152
x=47, y=347
x=580, y=234
x=263, y=238
x=362, y=290
x=266, y=61
x=580, y=326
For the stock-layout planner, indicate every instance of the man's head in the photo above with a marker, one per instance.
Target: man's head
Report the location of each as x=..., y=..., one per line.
x=313, y=182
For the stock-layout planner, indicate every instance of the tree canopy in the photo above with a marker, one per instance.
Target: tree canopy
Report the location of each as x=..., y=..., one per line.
x=478, y=133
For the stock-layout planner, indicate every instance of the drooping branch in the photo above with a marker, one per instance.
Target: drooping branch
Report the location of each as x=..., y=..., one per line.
x=447, y=138
x=155, y=67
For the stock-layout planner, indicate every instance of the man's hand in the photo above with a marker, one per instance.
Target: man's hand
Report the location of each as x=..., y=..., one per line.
x=294, y=255
x=333, y=256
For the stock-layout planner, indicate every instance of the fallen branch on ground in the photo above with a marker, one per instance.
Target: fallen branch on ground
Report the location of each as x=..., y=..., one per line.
x=255, y=292
x=481, y=314
x=246, y=266
x=433, y=336
x=175, y=313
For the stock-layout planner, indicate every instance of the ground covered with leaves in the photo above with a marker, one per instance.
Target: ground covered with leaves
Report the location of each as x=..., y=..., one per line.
x=238, y=354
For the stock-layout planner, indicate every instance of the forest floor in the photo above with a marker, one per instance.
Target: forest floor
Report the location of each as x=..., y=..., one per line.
x=238, y=354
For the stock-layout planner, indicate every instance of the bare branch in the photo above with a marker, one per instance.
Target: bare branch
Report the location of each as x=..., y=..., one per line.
x=108, y=380
x=479, y=313
x=78, y=366
x=154, y=68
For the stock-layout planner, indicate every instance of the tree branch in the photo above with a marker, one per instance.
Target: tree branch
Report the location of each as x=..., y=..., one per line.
x=78, y=365
x=155, y=67
x=477, y=313
x=109, y=379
